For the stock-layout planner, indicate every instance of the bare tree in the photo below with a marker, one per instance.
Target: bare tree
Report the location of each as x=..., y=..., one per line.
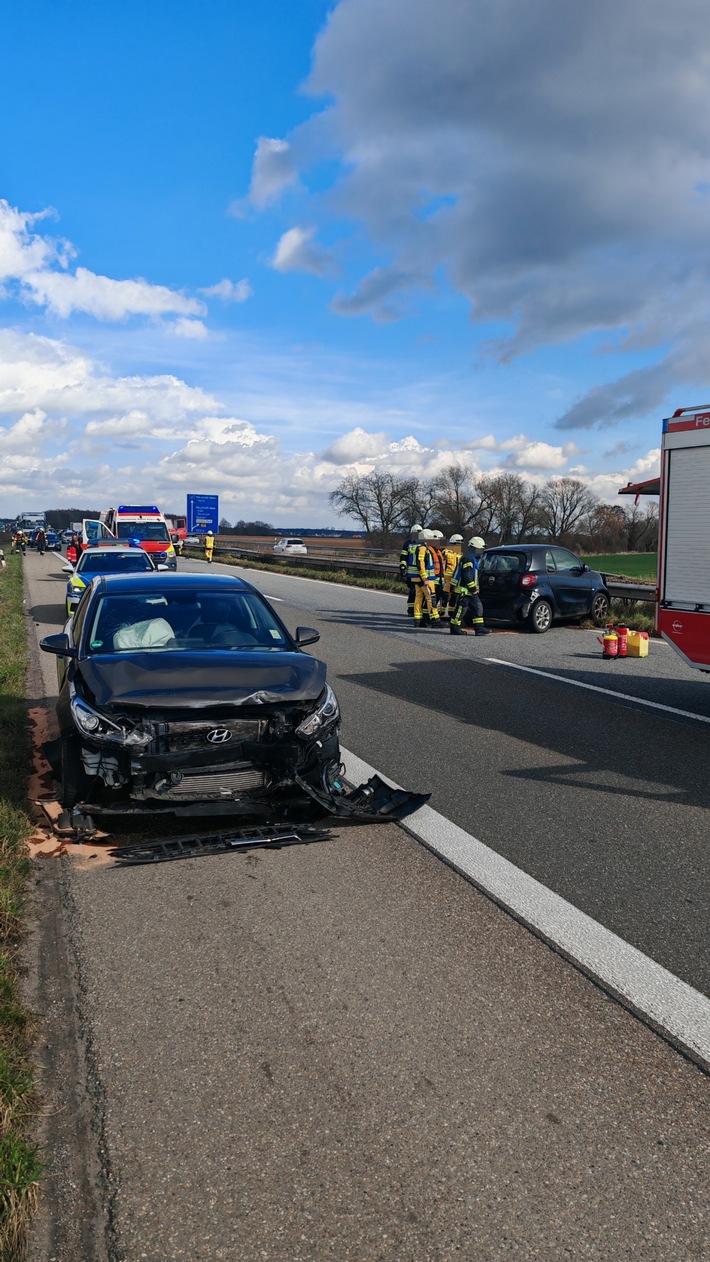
x=564, y=503
x=380, y=501
x=509, y=507
x=454, y=499
x=642, y=527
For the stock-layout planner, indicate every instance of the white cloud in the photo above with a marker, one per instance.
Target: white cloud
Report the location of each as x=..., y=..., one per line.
x=298, y=252
x=104, y=298
x=273, y=171
x=194, y=329
x=229, y=290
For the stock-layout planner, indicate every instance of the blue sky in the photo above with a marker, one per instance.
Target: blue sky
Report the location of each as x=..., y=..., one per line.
x=250, y=248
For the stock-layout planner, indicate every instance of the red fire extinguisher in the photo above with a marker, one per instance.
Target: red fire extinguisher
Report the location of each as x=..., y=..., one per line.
x=610, y=642
x=623, y=634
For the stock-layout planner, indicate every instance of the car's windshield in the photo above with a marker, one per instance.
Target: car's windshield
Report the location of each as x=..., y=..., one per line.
x=192, y=621
x=132, y=562
x=147, y=531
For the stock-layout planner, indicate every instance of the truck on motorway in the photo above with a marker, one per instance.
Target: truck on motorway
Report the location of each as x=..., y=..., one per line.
x=177, y=525
x=683, y=591
x=30, y=522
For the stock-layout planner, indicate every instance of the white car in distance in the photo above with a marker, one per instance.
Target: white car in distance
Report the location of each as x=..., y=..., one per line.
x=296, y=547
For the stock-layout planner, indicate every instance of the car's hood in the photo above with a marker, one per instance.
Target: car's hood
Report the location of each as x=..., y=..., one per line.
x=178, y=680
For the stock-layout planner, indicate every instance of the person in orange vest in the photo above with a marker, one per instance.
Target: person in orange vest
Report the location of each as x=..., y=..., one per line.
x=209, y=546
x=421, y=573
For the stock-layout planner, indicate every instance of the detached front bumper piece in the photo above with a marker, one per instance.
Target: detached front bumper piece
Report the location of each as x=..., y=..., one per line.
x=369, y=803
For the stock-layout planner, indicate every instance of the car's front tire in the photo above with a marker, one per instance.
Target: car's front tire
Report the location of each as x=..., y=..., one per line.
x=74, y=779
x=600, y=609
x=540, y=617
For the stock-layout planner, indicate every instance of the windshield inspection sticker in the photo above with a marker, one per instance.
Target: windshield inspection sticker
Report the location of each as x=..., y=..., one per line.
x=275, y=635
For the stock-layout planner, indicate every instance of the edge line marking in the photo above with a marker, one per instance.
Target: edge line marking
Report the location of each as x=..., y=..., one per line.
x=669, y=1005
x=608, y=692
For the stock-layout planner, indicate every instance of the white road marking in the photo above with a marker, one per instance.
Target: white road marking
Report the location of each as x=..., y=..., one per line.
x=608, y=692
x=651, y=991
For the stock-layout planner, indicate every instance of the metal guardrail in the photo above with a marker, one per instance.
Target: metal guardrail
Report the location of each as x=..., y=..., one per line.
x=388, y=569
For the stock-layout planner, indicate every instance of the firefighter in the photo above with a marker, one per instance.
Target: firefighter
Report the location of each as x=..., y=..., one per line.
x=465, y=582
x=435, y=542
x=409, y=546
x=209, y=546
x=421, y=572
x=451, y=554
x=40, y=540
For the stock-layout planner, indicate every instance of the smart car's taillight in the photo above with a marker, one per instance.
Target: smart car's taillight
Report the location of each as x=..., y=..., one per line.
x=528, y=580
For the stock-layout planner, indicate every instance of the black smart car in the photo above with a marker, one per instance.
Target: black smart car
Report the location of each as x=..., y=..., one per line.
x=535, y=583
x=186, y=693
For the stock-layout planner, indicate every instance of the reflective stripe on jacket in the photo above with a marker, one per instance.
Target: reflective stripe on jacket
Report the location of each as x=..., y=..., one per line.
x=412, y=562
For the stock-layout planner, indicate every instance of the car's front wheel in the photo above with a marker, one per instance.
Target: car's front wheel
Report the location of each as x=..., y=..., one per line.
x=600, y=608
x=74, y=778
x=540, y=617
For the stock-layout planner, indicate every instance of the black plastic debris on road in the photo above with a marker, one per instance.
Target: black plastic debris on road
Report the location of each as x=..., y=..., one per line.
x=165, y=850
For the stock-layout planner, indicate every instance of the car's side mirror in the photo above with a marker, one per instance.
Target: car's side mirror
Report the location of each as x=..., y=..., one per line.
x=174, y=538
x=58, y=644
x=586, y=569
x=306, y=635
x=67, y=569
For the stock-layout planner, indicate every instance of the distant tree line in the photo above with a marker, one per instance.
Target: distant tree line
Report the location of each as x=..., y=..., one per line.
x=62, y=518
x=245, y=527
x=505, y=508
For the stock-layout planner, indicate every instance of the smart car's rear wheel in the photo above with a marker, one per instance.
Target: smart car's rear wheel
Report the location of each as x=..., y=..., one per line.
x=74, y=778
x=540, y=617
x=600, y=609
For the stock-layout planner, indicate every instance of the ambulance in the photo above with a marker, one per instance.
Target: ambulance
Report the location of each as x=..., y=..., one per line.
x=142, y=522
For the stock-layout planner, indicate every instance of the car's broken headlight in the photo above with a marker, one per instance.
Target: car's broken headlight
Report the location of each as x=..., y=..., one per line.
x=326, y=713
x=99, y=728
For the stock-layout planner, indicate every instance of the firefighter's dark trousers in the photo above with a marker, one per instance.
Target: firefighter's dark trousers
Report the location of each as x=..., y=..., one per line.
x=468, y=609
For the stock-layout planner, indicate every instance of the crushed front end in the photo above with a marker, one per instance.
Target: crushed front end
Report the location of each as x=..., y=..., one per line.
x=228, y=759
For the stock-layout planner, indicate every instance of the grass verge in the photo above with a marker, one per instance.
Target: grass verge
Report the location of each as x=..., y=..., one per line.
x=20, y=1164
x=636, y=566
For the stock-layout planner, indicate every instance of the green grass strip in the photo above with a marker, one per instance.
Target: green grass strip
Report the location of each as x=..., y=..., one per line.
x=20, y=1163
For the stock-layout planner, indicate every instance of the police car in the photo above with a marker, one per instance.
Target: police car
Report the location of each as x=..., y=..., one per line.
x=107, y=558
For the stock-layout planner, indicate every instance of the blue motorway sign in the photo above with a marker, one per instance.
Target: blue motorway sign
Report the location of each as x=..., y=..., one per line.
x=202, y=514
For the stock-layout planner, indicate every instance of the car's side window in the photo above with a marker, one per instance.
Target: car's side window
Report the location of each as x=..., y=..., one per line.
x=566, y=562
x=550, y=562
x=79, y=616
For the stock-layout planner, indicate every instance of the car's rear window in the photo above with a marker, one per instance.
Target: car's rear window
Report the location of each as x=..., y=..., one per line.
x=503, y=563
x=134, y=562
x=186, y=621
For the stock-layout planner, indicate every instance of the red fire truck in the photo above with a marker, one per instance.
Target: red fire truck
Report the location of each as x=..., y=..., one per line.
x=683, y=592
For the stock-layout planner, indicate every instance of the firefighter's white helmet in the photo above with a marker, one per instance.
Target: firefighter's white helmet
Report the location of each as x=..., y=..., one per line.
x=417, y=529
x=477, y=543
x=456, y=539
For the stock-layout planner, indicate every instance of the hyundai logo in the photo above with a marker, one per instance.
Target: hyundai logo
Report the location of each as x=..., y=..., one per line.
x=219, y=735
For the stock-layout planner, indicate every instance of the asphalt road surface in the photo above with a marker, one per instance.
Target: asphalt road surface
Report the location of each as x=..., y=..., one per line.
x=602, y=799
x=345, y=1051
